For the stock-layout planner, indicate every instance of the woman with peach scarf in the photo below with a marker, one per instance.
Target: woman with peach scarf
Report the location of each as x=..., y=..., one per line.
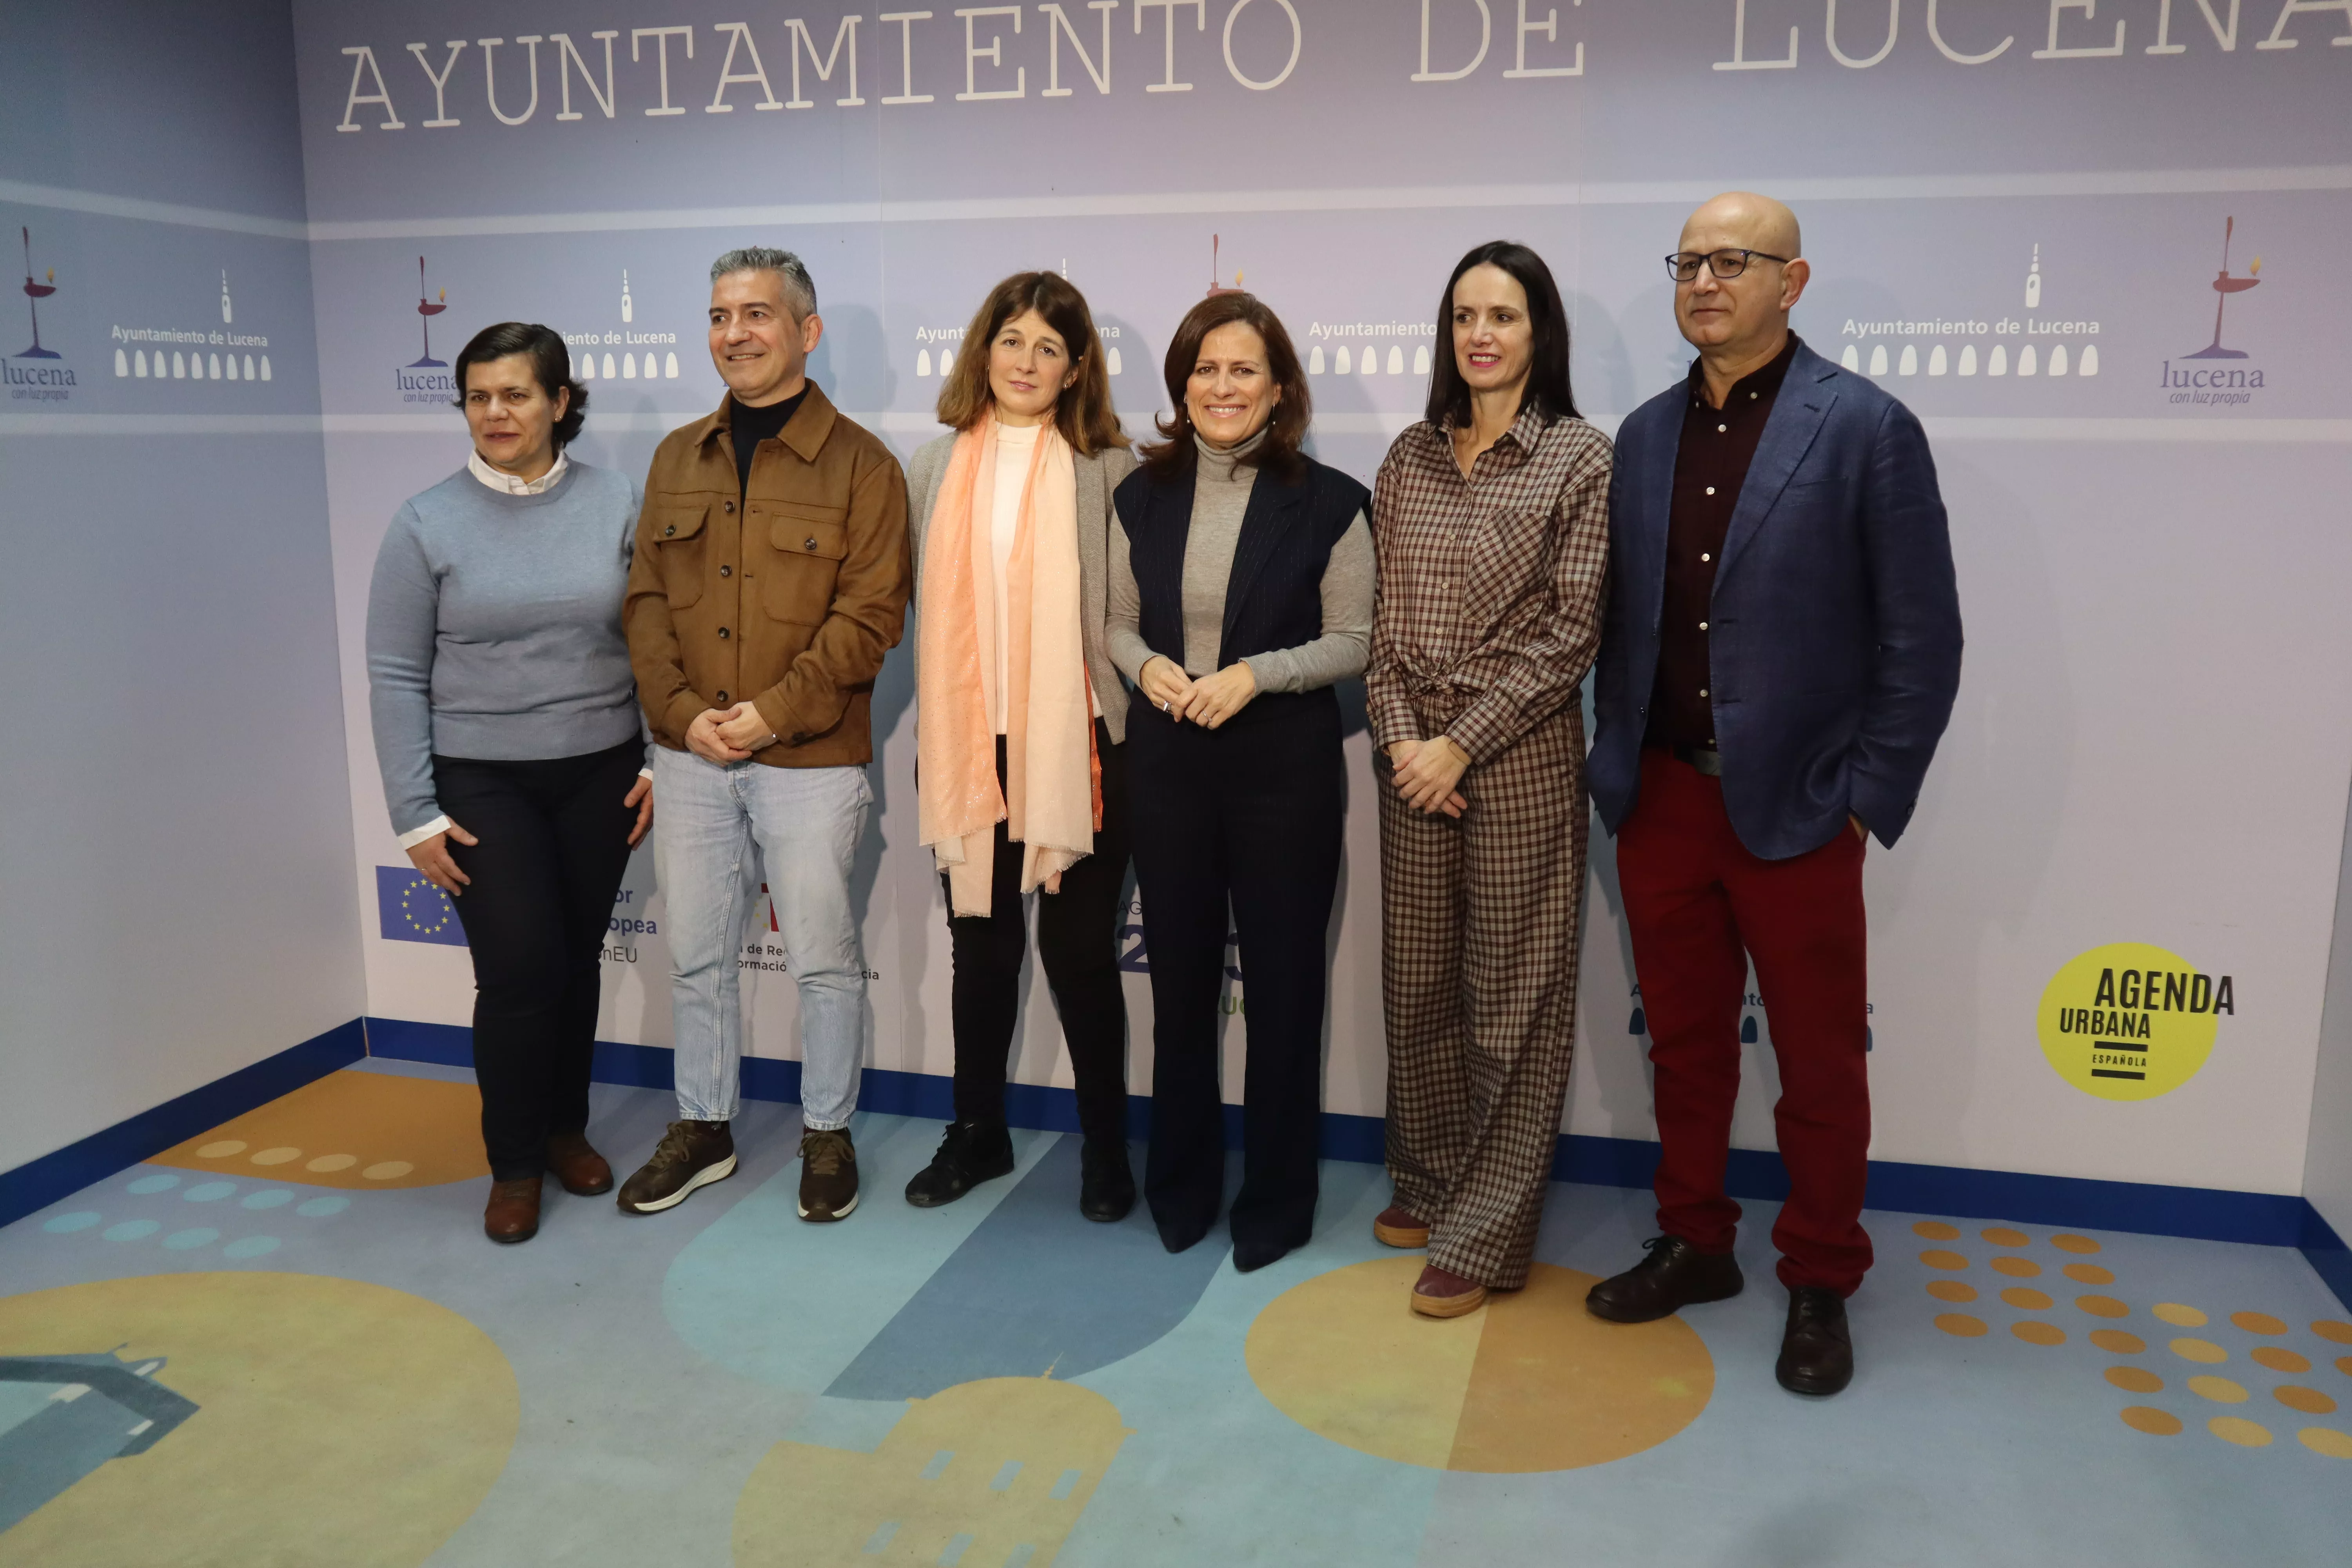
x=1020, y=720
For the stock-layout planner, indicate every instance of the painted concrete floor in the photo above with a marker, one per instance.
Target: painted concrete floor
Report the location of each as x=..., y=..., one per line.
x=286, y=1342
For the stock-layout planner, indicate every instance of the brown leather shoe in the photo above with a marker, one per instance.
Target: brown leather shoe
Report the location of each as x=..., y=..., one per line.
x=1396, y=1226
x=1671, y=1276
x=1438, y=1294
x=691, y=1155
x=514, y=1212
x=577, y=1165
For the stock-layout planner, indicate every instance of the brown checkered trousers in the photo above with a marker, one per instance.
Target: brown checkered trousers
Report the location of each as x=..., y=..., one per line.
x=1490, y=602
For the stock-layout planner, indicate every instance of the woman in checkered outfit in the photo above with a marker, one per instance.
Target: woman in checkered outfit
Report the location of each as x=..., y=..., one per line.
x=1490, y=520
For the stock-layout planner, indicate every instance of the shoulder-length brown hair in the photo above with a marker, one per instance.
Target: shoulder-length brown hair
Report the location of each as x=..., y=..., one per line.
x=1084, y=415
x=1175, y=455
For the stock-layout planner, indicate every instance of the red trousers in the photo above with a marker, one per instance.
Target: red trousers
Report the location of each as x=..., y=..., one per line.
x=1699, y=906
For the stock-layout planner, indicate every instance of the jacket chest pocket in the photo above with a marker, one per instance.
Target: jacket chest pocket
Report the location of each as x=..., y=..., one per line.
x=679, y=545
x=806, y=544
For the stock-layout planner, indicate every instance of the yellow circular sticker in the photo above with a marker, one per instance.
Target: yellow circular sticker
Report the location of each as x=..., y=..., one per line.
x=2128, y=1021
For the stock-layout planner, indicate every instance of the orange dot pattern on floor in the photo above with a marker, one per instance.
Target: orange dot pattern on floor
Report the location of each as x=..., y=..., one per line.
x=2181, y=1317
x=2328, y=1328
x=355, y=1131
x=2016, y=1268
x=2204, y=1350
x=2083, y=1245
x=2219, y=1389
x=2103, y=1306
x=1961, y=1325
x=2038, y=1333
x=1937, y=1257
x=2279, y=1360
x=2258, y=1322
x=2115, y=1342
x=2310, y=1401
x=2343, y=1365
x=2154, y=1422
x=1936, y=1230
x=2088, y=1274
x=2001, y=1235
x=2026, y=1301
x=2325, y=1440
x=1951, y=1291
x=2134, y=1379
x=2237, y=1429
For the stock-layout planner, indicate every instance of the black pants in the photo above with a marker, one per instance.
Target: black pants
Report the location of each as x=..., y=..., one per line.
x=1247, y=814
x=554, y=841
x=1077, y=941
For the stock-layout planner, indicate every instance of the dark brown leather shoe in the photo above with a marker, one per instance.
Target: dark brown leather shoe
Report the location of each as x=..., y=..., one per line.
x=514, y=1212
x=1674, y=1276
x=691, y=1155
x=828, y=1175
x=1396, y=1225
x=1817, y=1349
x=1440, y=1294
x=577, y=1165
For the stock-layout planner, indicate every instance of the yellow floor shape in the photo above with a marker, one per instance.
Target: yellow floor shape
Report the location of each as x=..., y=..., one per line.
x=1529, y=1381
x=1005, y=1465
x=337, y=1422
x=355, y=1129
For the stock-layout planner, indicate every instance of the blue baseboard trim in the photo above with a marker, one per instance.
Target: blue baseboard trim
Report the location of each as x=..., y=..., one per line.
x=37, y=1184
x=2201, y=1213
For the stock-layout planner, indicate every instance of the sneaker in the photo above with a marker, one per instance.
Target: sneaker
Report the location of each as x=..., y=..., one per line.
x=971, y=1153
x=828, y=1175
x=691, y=1155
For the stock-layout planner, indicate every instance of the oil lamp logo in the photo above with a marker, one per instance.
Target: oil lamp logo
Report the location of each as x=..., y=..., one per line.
x=427, y=379
x=47, y=379
x=2213, y=386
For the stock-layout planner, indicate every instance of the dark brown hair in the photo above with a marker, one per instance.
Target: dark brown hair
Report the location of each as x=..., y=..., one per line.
x=1084, y=415
x=1547, y=390
x=551, y=366
x=1279, y=454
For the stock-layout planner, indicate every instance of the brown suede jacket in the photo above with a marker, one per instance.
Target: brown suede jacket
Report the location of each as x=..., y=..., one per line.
x=790, y=597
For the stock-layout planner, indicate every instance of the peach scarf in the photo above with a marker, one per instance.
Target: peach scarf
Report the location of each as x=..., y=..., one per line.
x=1051, y=802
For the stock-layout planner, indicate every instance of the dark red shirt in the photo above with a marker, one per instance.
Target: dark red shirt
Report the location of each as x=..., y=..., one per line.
x=1710, y=466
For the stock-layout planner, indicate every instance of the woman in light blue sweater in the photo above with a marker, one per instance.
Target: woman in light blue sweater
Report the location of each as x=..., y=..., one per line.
x=506, y=729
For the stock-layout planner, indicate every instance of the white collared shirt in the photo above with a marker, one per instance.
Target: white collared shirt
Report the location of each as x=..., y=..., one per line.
x=507, y=484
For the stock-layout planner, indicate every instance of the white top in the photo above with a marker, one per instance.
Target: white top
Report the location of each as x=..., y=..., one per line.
x=507, y=484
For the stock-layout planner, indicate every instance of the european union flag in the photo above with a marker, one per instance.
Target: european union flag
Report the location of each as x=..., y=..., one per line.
x=410, y=908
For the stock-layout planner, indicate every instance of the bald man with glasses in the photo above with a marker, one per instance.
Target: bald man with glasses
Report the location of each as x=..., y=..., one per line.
x=1780, y=655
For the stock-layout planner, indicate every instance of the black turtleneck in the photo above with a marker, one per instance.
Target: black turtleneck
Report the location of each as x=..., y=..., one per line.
x=747, y=427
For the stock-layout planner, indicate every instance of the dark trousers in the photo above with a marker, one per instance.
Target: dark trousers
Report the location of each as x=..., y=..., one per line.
x=1247, y=816
x=553, y=843
x=1698, y=905
x=1077, y=941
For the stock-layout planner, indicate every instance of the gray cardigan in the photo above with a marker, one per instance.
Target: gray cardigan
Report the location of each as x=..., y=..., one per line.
x=1098, y=476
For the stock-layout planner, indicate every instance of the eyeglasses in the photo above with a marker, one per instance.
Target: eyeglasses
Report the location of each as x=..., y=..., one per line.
x=1683, y=265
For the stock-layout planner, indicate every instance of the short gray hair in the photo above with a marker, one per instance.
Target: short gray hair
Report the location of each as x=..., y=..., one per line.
x=800, y=292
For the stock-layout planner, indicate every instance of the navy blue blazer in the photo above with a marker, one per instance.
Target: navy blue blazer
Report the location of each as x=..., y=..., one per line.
x=1834, y=644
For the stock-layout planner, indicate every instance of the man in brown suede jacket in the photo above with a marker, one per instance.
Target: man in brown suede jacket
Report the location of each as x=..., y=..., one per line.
x=770, y=576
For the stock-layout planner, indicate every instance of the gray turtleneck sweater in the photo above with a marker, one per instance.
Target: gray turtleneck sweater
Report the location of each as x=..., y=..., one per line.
x=1221, y=493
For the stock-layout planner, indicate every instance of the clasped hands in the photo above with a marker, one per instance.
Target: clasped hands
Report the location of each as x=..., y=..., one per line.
x=1428, y=773
x=725, y=735
x=1208, y=702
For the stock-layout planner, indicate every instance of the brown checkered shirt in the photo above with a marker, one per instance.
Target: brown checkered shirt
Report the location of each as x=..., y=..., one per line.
x=1490, y=587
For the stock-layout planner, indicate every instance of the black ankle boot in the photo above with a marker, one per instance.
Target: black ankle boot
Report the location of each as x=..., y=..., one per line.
x=971, y=1153
x=1106, y=1183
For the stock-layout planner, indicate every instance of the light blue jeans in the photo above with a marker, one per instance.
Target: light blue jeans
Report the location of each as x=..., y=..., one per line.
x=714, y=829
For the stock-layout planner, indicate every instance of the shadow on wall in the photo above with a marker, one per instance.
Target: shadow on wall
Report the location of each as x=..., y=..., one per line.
x=852, y=361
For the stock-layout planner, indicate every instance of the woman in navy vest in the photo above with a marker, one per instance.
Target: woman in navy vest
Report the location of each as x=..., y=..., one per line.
x=1241, y=590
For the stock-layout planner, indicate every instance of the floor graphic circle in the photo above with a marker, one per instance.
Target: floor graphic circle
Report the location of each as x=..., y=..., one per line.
x=335, y=1422
x=1531, y=1382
